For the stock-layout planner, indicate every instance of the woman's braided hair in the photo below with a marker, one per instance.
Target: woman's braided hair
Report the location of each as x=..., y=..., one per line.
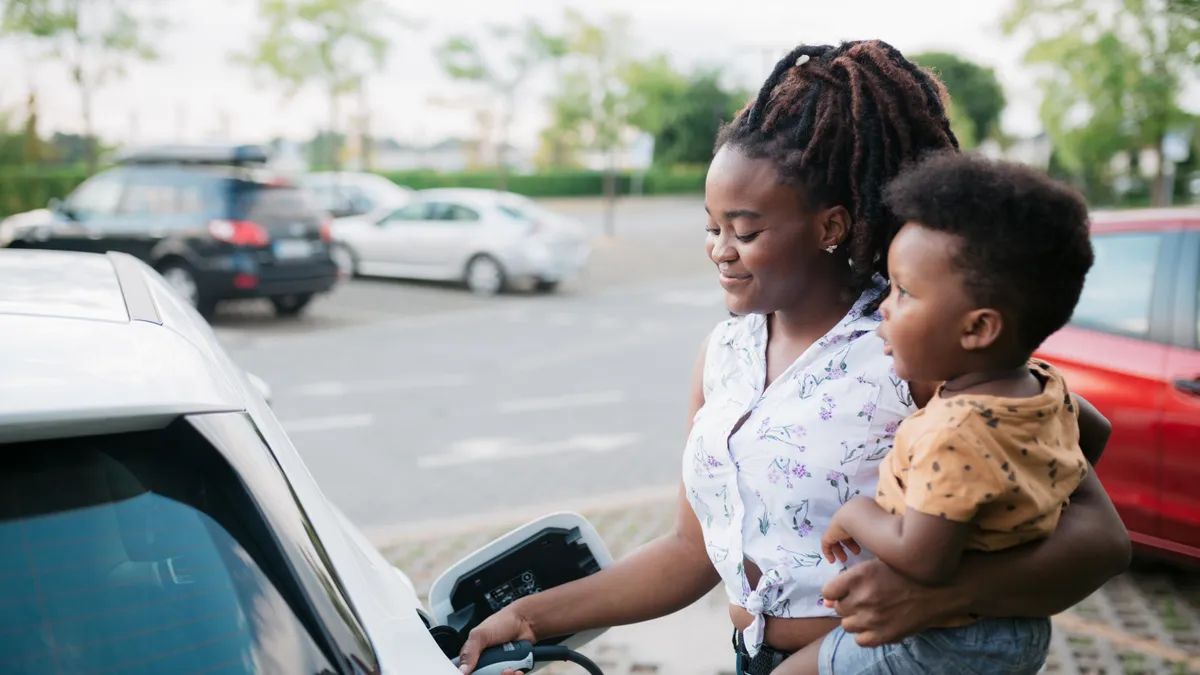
x=841, y=122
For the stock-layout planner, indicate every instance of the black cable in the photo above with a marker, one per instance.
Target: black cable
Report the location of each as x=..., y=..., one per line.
x=557, y=653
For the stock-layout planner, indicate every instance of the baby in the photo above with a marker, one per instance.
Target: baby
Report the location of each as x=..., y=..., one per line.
x=989, y=263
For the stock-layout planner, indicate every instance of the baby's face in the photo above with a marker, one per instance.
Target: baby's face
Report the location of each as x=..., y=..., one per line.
x=923, y=316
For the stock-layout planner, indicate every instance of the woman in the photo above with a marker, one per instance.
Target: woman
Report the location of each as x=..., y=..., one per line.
x=793, y=401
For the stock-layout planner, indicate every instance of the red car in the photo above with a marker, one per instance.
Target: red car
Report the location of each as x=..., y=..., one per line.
x=1132, y=350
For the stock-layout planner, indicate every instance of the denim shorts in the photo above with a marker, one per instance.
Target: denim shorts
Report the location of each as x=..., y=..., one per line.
x=986, y=647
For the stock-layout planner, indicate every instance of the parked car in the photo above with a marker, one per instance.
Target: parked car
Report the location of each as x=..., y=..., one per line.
x=485, y=238
x=1131, y=349
x=156, y=519
x=211, y=219
x=347, y=194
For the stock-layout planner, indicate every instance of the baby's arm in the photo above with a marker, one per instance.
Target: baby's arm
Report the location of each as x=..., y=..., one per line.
x=922, y=547
x=948, y=480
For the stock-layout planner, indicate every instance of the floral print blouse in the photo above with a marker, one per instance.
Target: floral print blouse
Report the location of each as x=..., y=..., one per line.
x=811, y=441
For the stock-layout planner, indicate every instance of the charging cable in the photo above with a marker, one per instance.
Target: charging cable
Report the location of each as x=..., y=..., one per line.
x=522, y=656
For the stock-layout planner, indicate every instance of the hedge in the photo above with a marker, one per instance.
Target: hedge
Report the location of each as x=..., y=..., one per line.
x=25, y=189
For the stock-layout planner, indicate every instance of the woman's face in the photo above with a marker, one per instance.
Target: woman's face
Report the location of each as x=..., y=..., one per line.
x=767, y=246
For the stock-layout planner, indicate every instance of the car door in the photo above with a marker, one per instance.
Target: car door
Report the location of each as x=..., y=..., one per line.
x=83, y=216
x=384, y=247
x=441, y=242
x=1114, y=354
x=1181, y=417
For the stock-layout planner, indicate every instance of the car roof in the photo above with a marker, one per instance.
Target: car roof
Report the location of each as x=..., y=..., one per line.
x=97, y=343
x=1136, y=220
x=207, y=155
x=477, y=196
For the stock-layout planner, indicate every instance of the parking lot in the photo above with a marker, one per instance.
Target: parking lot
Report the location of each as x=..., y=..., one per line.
x=414, y=400
x=436, y=419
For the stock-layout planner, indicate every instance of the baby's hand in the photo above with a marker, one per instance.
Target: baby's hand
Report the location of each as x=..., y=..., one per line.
x=835, y=541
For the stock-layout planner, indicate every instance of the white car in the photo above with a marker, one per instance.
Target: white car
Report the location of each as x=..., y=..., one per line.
x=485, y=238
x=346, y=194
x=156, y=519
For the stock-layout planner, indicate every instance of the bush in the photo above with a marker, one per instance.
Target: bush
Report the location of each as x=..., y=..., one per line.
x=29, y=189
x=25, y=189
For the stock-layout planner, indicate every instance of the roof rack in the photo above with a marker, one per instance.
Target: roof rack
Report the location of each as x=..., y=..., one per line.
x=217, y=155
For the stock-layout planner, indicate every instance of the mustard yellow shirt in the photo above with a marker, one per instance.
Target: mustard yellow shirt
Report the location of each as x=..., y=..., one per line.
x=1006, y=465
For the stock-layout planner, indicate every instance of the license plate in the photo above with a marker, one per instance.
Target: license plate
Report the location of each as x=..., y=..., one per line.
x=288, y=249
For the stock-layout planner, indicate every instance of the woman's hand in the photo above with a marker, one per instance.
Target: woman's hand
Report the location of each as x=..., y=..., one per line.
x=507, y=625
x=881, y=606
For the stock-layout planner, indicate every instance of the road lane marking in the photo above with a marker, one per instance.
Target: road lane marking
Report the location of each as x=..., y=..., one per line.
x=563, y=402
x=405, y=384
x=330, y=423
x=480, y=450
x=391, y=535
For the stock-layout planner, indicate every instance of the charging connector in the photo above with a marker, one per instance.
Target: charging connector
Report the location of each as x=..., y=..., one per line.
x=522, y=656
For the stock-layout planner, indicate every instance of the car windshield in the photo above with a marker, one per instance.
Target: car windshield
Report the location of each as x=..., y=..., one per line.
x=118, y=556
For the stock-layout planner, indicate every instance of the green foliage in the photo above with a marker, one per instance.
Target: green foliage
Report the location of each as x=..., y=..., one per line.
x=502, y=67
x=590, y=110
x=975, y=93
x=334, y=43
x=26, y=189
x=1111, y=74
x=94, y=39
x=683, y=113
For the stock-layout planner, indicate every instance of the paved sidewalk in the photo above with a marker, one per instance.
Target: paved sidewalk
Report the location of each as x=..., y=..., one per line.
x=1146, y=621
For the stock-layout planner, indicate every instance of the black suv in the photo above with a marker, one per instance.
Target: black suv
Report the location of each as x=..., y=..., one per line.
x=212, y=220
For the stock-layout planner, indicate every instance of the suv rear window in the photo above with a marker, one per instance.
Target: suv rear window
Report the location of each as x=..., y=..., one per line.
x=120, y=556
x=258, y=202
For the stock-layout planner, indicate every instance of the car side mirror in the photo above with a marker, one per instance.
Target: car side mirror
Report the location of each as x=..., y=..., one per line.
x=55, y=204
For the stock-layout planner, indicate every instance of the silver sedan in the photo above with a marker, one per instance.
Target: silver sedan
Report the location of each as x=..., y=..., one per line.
x=485, y=238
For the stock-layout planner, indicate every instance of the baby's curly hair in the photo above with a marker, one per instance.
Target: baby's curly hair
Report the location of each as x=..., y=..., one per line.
x=1025, y=237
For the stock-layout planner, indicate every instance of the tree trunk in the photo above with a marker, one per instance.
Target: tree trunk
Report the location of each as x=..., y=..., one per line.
x=1158, y=189
x=85, y=102
x=502, y=149
x=335, y=152
x=364, y=138
x=610, y=194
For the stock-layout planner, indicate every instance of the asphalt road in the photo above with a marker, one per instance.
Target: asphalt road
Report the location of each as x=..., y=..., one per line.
x=412, y=402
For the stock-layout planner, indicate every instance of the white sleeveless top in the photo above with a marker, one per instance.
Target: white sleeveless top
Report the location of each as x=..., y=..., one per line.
x=811, y=441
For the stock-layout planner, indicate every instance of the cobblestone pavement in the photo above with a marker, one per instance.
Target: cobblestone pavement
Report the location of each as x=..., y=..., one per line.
x=1145, y=621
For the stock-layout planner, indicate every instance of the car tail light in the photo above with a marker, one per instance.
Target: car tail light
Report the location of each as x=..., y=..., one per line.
x=327, y=230
x=245, y=281
x=239, y=232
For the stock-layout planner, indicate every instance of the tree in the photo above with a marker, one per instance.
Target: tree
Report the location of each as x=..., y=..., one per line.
x=95, y=39
x=591, y=106
x=1111, y=75
x=520, y=52
x=334, y=44
x=976, y=95
x=683, y=113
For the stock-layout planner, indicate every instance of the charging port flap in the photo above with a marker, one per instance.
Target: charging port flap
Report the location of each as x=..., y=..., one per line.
x=548, y=552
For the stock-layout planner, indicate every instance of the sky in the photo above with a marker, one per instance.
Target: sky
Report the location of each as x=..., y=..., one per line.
x=194, y=92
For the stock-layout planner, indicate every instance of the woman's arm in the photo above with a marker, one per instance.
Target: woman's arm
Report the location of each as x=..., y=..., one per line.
x=1089, y=547
x=659, y=578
